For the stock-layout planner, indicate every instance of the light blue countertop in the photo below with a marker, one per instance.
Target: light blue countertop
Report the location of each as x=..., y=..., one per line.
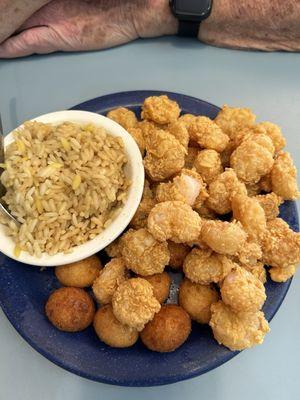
x=267, y=83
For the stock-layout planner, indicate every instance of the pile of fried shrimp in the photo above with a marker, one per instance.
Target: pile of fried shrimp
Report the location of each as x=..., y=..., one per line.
x=209, y=210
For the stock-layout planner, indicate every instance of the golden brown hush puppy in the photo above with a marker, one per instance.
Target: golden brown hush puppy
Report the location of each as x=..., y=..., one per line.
x=161, y=285
x=168, y=330
x=111, y=331
x=70, y=309
x=196, y=299
x=79, y=274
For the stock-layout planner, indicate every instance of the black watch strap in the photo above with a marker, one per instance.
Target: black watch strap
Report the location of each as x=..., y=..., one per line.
x=188, y=28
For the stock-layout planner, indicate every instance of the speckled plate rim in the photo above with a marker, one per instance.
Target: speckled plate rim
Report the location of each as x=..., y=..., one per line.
x=160, y=380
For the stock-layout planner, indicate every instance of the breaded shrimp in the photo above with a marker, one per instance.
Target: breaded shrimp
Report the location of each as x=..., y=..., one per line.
x=284, y=177
x=249, y=212
x=237, y=331
x=143, y=254
x=185, y=187
x=111, y=276
x=281, y=245
x=134, y=303
x=160, y=109
x=165, y=155
x=180, y=132
x=270, y=203
x=242, y=291
x=190, y=158
x=222, y=189
x=208, y=165
x=137, y=135
x=205, y=266
x=124, y=117
x=148, y=201
x=232, y=119
x=258, y=270
x=208, y=134
x=223, y=237
x=275, y=134
x=174, y=220
x=282, y=274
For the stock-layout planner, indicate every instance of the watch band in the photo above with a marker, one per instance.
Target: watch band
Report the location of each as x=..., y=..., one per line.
x=188, y=28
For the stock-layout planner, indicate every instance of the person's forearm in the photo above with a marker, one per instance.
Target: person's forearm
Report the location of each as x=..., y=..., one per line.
x=14, y=12
x=246, y=24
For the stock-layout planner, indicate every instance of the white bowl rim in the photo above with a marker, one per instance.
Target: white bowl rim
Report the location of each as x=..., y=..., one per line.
x=135, y=163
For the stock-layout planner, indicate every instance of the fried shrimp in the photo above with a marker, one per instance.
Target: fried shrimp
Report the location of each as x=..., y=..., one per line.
x=232, y=120
x=208, y=164
x=185, y=187
x=205, y=266
x=160, y=109
x=165, y=156
x=237, y=331
x=208, y=134
x=174, y=220
x=124, y=117
x=144, y=254
x=134, y=303
x=242, y=291
x=284, y=177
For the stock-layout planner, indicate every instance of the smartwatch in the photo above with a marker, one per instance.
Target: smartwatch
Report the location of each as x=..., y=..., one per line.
x=190, y=13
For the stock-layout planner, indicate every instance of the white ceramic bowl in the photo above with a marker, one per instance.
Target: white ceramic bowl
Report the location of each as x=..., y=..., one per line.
x=134, y=170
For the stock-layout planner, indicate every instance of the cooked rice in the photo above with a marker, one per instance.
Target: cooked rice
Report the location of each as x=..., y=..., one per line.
x=65, y=184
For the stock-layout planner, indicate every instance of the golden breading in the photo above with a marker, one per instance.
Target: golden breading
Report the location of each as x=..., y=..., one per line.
x=111, y=331
x=284, y=177
x=143, y=254
x=161, y=285
x=208, y=165
x=250, y=213
x=180, y=132
x=258, y=134
x=160, y=109
x=137, y=135
x=281, y=245
x=270, y=203
x=223, y=237
x=134, y=303
x=204, y=266
x=186, y=187
x=79, y=274
x=111, y=276
x=258, y=270
x=275, y=134
x=253, y=189
x=251, y=161
x=226, y=154
x=250, y=253
x=232, y=119
x=168, y=330
x=242, y=291
x=237, y=331
x=178, y=252
x=190, y=158
x=174, y=220
x=70, y=309
x=282, y=274
x=197, y=299
x=165, y=155
x=114, y=249
x=205, y=212
x=148, y=201
x=222, y=189
x=187, y=119
x=208, y=134
x=124, y=117
x=147, y=127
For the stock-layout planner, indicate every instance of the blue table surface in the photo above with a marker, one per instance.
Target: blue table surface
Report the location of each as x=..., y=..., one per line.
x=268, y=83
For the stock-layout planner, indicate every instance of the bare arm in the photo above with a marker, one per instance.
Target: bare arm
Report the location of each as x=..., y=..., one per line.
x=71, y=25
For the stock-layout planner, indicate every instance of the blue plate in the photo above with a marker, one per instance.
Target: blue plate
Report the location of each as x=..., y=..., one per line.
x=25, y=289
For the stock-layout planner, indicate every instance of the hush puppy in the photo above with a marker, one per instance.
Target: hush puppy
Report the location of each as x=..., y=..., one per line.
x=79, y=274
x=111, y=331
x=134, y=303
x=168, y=330
x=161, y=285
x=70, y=309
x=237, y=331
x=197, y=299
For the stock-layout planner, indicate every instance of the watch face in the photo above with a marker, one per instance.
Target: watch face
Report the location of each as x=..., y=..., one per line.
x=196, y=8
